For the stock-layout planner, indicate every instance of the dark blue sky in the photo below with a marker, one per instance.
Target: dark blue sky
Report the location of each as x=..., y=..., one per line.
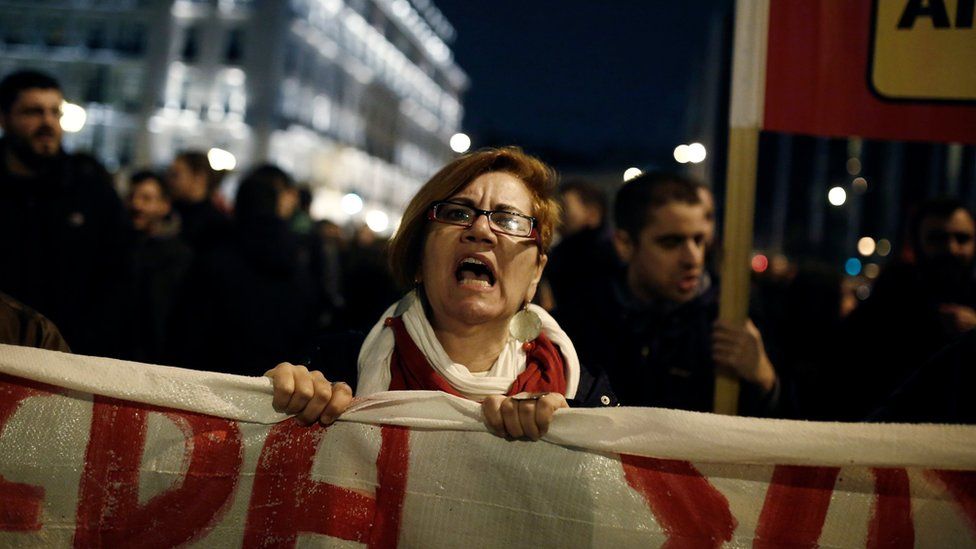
x=581, y=75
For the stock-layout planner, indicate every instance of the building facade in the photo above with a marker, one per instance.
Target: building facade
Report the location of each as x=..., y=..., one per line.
x=349, y=95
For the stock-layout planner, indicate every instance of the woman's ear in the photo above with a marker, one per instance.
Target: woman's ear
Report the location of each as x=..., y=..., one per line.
x=534, y=284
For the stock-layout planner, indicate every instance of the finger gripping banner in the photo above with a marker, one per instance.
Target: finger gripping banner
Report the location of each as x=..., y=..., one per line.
x=102, y=453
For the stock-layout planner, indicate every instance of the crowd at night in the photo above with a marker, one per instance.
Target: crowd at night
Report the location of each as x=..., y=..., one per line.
x=172, y=274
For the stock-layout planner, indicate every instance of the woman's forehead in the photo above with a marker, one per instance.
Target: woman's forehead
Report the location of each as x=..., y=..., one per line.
x=496, y=188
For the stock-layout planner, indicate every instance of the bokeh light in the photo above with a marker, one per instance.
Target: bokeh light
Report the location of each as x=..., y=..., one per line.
x=696, y=153
x=860, y=185
x=460, y=143
x=853, y=166
x=631, y=173
x=872, y=270
x=760, y=263
x=681, y=154
x=866, y=246
x=351, y=204
x=853, y=266
x=837, y=196
x=73, y=117
x=377, y=221
x=221, y=160
x=884, y=247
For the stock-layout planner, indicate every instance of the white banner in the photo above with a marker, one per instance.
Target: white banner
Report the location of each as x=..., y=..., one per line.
x=99, y=452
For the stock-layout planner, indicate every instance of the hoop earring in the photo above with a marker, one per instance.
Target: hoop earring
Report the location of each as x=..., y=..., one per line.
x=525, y=325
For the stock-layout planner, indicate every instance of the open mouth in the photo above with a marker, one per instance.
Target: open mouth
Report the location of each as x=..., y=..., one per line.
x=475, y=272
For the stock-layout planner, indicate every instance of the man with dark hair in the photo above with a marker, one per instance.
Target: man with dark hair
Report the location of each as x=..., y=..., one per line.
x=917, y=307
x=656, y=334
x=160, y=261
x=62, y=226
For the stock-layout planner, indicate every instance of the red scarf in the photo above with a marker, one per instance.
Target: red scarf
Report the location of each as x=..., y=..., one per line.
x=410, y=370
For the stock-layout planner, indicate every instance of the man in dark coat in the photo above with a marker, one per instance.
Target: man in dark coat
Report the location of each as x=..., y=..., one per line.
x=917, y=306
x=62, y=226
x=655, y=332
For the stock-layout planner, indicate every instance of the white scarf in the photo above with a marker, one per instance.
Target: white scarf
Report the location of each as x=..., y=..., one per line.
x=374, y=357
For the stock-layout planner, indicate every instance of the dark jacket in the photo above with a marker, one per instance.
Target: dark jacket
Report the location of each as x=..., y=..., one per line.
x=159, y=266
x=21, y=325
x=249, y=304
x=63, y=249
x=655, y=355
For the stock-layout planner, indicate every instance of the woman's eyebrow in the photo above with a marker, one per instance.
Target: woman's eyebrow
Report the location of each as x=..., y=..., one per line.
x=508, y=208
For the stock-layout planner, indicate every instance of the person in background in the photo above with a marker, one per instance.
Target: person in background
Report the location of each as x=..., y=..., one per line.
x=23, y=326
x=192, y=184
x=585, y=252
x=917, y=306
x=256, y=298
x=160, y=262
x=63, y=228
x=655, y=333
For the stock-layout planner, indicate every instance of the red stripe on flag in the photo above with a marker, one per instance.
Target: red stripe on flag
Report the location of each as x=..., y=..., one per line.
x=689, y=509
x=796, y=506
x=891, y=522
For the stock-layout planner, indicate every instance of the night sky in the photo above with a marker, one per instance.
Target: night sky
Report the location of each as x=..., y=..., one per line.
x=586, y=78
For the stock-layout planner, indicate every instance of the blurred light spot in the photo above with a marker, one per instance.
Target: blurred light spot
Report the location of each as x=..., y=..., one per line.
x=221, y=160
x=837, y=196
x=853, y=166
x=696, y=153
x=871, y=270
x=460, y=143
x=760, y=263
x=884, y=247
x=863, y=292
x=853, y=266
x=681, y=154
x=377, y=221
x=860, y=184
x=351, y=204
x=631, y=173
x=866, y=246
x=73, y=117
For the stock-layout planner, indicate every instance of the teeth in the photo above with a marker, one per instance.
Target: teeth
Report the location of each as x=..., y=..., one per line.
x=473, y=260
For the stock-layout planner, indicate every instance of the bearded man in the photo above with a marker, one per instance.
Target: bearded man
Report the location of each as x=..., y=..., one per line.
x=62, y=226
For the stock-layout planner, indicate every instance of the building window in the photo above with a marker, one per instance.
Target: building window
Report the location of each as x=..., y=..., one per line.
x=191, y=46
x=234, y=50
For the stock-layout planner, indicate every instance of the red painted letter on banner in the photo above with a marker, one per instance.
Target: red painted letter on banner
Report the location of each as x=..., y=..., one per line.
x=20, y=504
x=109, y=513
x=286, y=502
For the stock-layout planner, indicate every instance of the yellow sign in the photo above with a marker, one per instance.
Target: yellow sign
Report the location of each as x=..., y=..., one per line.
x=924, y=50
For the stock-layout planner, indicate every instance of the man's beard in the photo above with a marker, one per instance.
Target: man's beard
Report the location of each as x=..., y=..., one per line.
x=26, y=154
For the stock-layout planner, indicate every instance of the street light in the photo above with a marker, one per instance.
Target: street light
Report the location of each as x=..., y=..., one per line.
x=696, y=153
x=460, y=143
x=73, y=117
x=681, y=154
x=631, y=173
x=837, y=196
x=221, y=160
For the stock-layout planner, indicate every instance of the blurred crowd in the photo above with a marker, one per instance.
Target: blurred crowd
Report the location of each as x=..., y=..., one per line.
x=170, y=273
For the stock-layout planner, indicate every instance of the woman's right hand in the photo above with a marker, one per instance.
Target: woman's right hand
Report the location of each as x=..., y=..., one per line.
x=308, y=395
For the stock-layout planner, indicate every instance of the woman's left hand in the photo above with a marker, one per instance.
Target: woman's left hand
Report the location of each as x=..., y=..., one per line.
x=525, y=415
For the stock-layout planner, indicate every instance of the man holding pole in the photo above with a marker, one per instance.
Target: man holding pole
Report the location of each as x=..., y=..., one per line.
x=657, y=336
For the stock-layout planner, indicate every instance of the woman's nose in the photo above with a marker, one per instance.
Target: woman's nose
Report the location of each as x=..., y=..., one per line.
x=480, y=229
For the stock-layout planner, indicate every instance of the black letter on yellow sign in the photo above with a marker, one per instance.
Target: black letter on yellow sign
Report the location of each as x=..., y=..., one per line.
x=936, y=9
x=932, y=8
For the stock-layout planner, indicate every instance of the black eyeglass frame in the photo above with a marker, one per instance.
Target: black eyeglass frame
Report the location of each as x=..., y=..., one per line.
x=533, y=234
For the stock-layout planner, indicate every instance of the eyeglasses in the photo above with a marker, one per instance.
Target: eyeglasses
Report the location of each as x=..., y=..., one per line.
x=499, y=221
